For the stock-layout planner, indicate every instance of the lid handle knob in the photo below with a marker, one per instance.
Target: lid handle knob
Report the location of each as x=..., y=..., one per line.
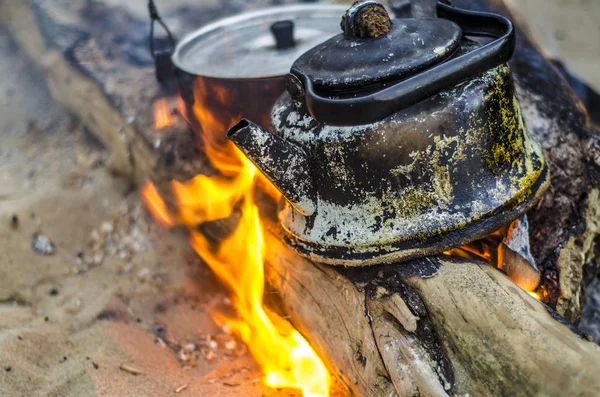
x=283, y=32
x=366, y=19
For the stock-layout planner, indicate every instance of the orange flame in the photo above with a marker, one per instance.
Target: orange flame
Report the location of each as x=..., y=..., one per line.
x=286, y=358
x=162, y=116
x=488, y=249
x=155, y=202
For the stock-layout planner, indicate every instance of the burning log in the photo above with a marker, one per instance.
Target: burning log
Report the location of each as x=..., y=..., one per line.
x=434, y=326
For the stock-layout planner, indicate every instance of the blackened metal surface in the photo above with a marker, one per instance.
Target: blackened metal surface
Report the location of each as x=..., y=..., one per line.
x=281, y=162
x=283, y=32
x=344, y=64
x=439, y=174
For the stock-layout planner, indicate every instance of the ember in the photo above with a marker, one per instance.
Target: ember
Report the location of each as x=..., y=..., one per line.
x=238, y=261
x=507, y=249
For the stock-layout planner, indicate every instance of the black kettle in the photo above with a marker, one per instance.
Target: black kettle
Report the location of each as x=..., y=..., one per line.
x=399, y=138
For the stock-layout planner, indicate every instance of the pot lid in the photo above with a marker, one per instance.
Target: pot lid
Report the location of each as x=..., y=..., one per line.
x=257, y=44
x=374, y=49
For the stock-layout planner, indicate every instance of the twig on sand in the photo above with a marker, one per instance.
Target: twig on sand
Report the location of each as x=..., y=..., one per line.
x=130, y=369
x=181, y=388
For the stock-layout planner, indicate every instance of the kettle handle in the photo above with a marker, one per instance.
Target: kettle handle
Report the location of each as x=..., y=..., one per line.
x=383, y=103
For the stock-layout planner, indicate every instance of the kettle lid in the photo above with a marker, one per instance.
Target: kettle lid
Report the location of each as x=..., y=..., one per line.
x=373, y=49
x=352, y=80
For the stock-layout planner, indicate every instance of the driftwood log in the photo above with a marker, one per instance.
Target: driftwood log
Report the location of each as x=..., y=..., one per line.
x=433, y=326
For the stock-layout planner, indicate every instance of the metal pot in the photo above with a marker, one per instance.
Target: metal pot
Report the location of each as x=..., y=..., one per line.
x=399, y=138
x=236, y=66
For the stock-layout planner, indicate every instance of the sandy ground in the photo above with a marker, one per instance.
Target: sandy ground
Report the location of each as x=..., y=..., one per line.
x=68, y=320
x=118, y=289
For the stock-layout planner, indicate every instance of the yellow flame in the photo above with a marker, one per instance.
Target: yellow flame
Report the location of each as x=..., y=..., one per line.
x=286, y=358
x=162, y=116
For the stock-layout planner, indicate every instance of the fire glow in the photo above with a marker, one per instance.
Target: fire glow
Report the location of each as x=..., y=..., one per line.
x=286, y=358
x=162, y=117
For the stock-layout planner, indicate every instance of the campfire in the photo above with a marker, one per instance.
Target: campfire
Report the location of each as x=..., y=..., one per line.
x=377, y=199
x=286, y=358
x=239, y=255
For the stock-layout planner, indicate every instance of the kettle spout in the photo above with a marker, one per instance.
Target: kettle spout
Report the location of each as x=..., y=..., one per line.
x=282, y=162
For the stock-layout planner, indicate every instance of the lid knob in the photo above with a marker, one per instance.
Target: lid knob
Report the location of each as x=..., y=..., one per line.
x=283, y=31
x=366, y=19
